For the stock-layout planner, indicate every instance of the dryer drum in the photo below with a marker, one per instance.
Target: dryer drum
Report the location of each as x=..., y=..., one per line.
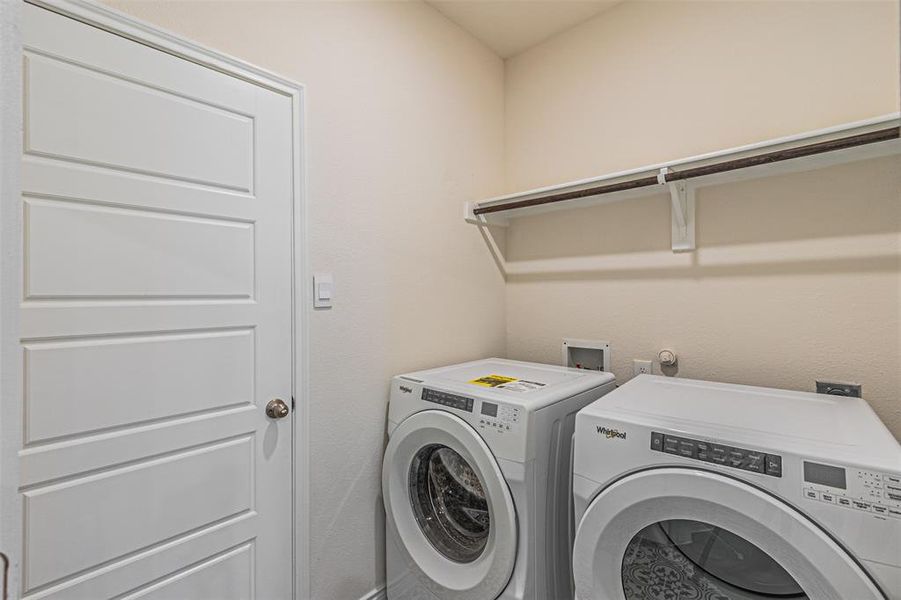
x=683, y=559
x=449, y=503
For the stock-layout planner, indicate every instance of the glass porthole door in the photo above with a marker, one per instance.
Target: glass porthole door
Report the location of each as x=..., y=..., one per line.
x=688, y=534
x=681, y=558
x=448, y=501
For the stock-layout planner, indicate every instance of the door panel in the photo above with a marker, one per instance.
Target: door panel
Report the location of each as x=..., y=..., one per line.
x=113, y=252
x=225, y=577
x=77, y=524
x=156, y=323
x=181, y=374
x=206, y=144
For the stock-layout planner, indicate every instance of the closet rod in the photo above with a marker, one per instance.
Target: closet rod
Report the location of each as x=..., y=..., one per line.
x=862, y=139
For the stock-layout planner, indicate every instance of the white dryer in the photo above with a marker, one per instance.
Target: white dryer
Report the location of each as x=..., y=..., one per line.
x=477, y=480
x=688, y=489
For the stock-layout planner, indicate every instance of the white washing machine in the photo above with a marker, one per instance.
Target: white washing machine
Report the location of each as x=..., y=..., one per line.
x=477, y=480
x=688, y=489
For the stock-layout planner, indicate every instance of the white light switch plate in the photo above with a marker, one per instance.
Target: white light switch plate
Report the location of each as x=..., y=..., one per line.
x=323, y=290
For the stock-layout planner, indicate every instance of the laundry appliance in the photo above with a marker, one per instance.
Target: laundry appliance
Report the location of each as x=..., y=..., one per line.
x=477, y=480
x=689, y=489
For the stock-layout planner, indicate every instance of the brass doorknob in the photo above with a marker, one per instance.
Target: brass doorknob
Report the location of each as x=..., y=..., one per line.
x=277, y=409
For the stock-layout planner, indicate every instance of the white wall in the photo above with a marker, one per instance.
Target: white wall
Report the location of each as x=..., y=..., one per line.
x=796, y=277
x=404, y=123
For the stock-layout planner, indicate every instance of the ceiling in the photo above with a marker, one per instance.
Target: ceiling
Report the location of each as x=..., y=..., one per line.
x=510, y=26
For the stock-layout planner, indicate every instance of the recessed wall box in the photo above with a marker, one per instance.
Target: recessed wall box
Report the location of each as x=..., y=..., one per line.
x=586, y=354
x=838, y=388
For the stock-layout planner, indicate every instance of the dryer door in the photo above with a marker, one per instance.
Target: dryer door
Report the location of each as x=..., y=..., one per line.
x=451, y=506
x=686, y=533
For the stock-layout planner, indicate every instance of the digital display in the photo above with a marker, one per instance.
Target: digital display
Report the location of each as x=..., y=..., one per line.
x=489, y=409
x=824, y=475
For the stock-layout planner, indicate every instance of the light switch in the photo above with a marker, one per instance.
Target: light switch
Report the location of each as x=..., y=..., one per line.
x=323, y=290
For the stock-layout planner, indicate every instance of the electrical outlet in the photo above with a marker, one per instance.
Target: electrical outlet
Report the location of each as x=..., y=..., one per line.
x=641, y=367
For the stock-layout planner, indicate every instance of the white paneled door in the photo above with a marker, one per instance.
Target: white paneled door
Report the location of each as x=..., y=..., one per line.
x=156, y=323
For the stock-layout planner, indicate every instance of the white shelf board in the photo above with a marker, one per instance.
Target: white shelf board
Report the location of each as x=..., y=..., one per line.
x=789, y=166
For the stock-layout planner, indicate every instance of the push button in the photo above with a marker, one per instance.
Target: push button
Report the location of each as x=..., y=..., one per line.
x=686, y=448
x=703, y=449
x=827, y=497
x=657, y=441
x=671, y=445
x=880, y=510
x=844, y=501
x=774, y=465
x=892, y=496
x=756, y=462
x=811, y=494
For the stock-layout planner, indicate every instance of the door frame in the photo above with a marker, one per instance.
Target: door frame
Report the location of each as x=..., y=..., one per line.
x=121, y=24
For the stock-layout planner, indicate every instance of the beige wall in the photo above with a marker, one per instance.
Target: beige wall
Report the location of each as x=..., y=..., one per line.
x=649, y=81
x=404, y=122
x=796, y=277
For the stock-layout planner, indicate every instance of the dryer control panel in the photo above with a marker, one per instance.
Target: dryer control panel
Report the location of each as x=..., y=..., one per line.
x=855, y=489
x=720, y=454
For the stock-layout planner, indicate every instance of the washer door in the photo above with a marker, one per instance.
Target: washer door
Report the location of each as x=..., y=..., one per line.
x=689, y=534
x=448, y=500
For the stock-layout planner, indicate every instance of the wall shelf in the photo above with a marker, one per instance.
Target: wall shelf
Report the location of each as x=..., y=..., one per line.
x=681, y=178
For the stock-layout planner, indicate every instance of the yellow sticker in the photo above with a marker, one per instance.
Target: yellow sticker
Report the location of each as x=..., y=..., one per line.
x=493, y=380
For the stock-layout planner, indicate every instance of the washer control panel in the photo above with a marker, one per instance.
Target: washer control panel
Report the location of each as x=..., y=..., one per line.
x=720, y=454
x=446, y=399
x=494, y=416
x=854, y=489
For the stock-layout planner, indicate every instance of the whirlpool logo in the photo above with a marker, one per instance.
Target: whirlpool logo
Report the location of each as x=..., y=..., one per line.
x=406, y=390
x=611, y=433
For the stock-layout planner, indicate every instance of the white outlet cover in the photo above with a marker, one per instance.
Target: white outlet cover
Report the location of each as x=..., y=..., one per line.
x=641, y=366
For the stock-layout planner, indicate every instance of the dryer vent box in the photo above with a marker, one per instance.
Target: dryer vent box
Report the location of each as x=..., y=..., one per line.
x=593, y=355
x=836, y=388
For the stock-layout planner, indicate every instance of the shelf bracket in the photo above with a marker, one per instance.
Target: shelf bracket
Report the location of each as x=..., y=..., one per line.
x=682, y=196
